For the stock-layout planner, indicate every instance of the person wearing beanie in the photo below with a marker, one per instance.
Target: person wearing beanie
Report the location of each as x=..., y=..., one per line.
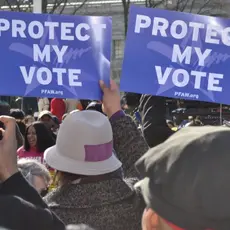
x=186, y=181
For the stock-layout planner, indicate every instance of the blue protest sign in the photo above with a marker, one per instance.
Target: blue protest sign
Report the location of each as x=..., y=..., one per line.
x=177, y=55
x=54, y=55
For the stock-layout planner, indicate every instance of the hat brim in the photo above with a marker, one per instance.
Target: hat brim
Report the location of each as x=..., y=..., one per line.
x=65, y=164
x=46, y=114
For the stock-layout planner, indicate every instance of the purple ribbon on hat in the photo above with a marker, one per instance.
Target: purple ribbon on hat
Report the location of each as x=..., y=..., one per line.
x=96, y=153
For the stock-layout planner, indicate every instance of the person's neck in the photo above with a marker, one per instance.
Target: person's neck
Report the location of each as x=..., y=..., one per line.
x=33, y=149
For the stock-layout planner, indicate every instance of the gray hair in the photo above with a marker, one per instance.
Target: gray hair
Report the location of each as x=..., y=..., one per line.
x=30, y=168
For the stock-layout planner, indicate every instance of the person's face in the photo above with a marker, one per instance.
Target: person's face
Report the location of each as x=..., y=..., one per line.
x=39, y=184
x=125, y=106
x=47, y=120
x=30, y=120
x=32, y=136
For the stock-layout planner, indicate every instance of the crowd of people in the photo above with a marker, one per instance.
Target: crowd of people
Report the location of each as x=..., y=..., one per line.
x=94, y=167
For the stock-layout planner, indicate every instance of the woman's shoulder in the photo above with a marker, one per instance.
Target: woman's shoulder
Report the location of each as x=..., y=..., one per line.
x=22, y=153
x=21, y=150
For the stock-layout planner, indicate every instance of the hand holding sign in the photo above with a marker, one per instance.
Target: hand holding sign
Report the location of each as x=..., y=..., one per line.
x=111, y=98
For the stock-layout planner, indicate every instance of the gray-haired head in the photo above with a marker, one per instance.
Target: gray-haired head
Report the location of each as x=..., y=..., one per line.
x=31, y=168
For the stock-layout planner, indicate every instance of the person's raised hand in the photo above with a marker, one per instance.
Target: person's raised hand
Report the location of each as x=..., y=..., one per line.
x=111, y=98
x=8, y=148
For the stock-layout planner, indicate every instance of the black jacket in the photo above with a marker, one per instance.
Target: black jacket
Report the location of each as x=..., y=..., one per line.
x=22, y=208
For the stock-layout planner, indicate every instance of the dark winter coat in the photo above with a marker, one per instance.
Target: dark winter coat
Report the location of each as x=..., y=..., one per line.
x=22, y=208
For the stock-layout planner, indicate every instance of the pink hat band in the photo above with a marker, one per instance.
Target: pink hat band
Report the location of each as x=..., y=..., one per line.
x=96, y=153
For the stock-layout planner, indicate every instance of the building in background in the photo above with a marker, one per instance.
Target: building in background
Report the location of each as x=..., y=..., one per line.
x=115, y=9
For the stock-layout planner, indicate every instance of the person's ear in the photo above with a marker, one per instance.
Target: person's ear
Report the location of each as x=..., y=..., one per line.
x=149, y=220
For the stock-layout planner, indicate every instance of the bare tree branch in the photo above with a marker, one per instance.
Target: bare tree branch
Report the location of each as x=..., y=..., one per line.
x=30, y=6
x=44, y=6
x=18, y=6
x=207, y=2
x=149, y=3
x=63, y=6
x=177, y=8
x=10, y=6
x=76, y=8
x=192, y=5
x=59, y=5
x=156, y=4
x=56, y=4
x=184, y=6
x=212, y=11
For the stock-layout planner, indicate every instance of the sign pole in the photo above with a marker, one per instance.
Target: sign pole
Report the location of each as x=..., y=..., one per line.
x=22, y=104
x=37, y=9
x=221, y=115
x=37, y=6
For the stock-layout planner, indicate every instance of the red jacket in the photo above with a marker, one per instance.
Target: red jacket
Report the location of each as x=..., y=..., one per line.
x=58, y=108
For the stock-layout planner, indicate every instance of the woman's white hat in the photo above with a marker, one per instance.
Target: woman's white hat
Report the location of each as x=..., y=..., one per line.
x=84, y=145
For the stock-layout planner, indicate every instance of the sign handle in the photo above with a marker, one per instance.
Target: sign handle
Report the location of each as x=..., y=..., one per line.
x=37, y=6
x=37, y=9
x=221, y=115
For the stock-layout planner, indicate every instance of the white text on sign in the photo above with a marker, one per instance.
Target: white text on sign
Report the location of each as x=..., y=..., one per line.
x=179, y=29
x=36, y=30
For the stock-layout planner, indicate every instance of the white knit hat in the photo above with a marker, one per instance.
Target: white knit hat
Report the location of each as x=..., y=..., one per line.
x=84, y=145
